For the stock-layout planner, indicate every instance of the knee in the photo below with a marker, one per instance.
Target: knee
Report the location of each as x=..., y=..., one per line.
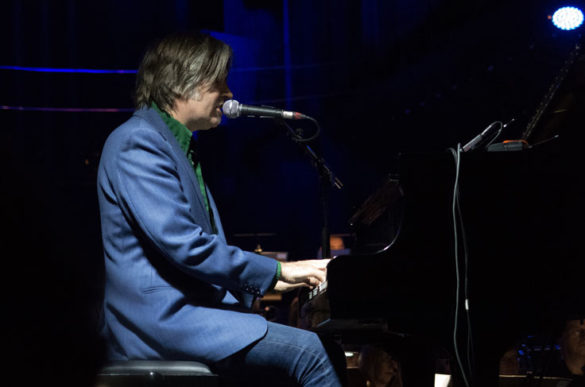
x=325, y=355
x=311, y=344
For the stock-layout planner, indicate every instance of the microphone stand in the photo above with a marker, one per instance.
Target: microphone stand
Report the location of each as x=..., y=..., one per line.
x=326, y=180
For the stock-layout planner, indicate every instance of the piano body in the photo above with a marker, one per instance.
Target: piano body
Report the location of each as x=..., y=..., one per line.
x=520, y=262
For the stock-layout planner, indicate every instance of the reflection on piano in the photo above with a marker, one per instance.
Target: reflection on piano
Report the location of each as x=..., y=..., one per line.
x=522, y=267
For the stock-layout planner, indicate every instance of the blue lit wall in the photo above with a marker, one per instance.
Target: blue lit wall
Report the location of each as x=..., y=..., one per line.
x=382, y=77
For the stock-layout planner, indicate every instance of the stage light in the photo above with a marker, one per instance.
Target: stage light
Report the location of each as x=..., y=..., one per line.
x=567, y=18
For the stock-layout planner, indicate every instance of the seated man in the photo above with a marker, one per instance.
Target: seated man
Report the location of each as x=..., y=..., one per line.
x=174, y=288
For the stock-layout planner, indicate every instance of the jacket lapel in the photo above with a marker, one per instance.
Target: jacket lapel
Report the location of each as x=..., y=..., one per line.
x=184, y=165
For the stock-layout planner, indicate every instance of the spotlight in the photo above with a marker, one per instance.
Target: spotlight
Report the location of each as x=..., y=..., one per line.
x=567, y=18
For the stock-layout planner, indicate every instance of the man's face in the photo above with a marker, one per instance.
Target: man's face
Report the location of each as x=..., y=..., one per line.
x=203, y=110
x=574, y=337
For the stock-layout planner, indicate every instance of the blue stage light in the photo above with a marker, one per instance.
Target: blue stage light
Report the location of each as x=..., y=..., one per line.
x=567, y=18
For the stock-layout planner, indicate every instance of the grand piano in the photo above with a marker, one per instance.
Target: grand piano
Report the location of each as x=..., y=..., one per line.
x=471, y=276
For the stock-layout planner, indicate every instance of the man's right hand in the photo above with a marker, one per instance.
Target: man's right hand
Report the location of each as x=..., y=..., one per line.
x=307, y=273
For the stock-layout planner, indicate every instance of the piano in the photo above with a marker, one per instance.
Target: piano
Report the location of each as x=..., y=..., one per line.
x=468, y=277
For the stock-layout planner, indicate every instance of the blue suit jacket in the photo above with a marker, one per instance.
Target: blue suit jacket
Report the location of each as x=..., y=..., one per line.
x=174, y=290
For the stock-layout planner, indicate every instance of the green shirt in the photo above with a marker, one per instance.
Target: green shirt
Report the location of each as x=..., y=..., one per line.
x=185, y=138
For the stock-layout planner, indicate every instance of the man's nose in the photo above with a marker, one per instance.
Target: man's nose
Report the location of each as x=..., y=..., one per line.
x=225, y=91
x=228, y=93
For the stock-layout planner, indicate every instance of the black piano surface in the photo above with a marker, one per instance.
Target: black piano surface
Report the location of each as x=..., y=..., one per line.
x=520, y=258
x=519, y=212
x=523, y=265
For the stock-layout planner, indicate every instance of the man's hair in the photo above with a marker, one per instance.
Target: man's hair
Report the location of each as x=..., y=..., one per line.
x=175, y=66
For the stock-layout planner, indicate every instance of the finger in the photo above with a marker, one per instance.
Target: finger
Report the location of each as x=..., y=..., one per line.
x=320, y=263
x=283, y=287
x=320, y=276
x=316, y=278
x=313, y=281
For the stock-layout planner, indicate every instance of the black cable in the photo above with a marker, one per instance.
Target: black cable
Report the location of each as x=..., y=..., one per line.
x=497, y=133
x=296, y=137
x=469, y=347
x=457, y=156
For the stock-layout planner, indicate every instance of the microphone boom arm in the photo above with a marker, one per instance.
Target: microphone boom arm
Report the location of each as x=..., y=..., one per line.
x=327, y=180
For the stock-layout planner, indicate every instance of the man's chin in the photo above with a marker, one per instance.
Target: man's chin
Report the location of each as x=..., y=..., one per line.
x=215, y=122
x=210, y=125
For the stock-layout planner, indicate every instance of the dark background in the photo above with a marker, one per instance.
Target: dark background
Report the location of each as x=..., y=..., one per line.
x=381, y=77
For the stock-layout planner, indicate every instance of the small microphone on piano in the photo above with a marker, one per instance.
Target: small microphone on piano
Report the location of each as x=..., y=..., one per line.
x=477, y=139
x=474, y=143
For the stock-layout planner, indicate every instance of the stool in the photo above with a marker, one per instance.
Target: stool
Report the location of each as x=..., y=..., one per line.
x=156, y=373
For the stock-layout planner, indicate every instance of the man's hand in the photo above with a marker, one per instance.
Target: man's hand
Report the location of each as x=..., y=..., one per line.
x=307, y=273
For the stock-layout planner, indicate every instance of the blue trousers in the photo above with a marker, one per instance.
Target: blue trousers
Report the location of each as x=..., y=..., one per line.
x=286, y=356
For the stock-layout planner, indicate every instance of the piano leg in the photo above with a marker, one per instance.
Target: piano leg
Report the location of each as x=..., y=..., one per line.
x=486, y=363
x=486, y=370
x=418, y=363
x=337, y=357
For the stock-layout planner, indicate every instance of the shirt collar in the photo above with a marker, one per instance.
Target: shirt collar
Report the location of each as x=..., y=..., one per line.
x=180, y=131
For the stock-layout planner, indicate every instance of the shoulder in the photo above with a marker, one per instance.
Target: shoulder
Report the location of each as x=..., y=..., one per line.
x=144, y=127
x=142, y=137
x=143, y=121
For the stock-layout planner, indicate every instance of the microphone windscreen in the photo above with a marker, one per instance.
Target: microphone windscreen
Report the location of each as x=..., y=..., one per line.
x=230, y=108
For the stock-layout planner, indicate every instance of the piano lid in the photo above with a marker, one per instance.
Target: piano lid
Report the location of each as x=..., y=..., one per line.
x=560, y=111
x=376, y=222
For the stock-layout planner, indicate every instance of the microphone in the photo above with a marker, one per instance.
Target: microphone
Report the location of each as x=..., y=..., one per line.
x=477, y=139
x=233, y=109
x=480, y=137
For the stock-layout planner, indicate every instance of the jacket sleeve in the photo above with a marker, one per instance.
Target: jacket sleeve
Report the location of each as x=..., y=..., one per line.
x=152, y=197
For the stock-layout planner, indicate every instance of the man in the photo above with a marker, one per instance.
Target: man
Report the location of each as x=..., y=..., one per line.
x=174, y=288
x=573, y=346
